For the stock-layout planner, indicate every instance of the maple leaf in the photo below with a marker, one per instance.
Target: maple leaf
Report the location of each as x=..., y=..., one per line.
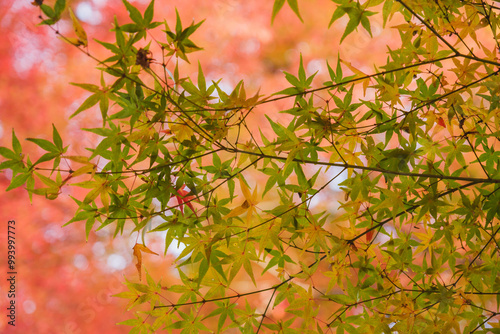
x=138, y=248
x=251, y=200
x=440, y=121
x=79, y=31
x=359, y=74
x=369, y=234
x=182, y=131
x=182, y=199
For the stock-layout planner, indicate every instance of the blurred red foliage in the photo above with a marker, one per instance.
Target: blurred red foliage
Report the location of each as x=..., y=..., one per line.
x=65, y=283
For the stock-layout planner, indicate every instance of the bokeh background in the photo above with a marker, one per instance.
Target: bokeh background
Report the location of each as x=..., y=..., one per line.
x=65, y=283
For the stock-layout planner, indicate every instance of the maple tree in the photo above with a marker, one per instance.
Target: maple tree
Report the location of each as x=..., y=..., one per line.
x=413, y=245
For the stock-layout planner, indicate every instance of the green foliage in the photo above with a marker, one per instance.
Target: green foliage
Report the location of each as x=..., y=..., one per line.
x=278, y=4
x=413, y=247
x=53, y=14
x=357, y=15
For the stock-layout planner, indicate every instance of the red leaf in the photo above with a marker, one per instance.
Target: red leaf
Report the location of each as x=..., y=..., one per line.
x=181, y=203
x=184, y=199
x=440, y=121
x=182, y=192
x=369, y=235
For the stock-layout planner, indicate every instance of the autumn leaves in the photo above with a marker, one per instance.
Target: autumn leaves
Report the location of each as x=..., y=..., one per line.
x=248, y=206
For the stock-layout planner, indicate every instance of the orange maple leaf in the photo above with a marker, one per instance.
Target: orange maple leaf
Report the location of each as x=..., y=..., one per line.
x=138, y=248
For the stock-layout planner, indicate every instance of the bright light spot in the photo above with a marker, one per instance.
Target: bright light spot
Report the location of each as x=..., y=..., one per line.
x=101, y=164
x=116, y=262
x=53, y=233
x=316, y=200
x=332, y=172
x=80, y=262
x=99, y=3
x=29, y=306
x=303, y=47
x=250, y=46
x=225, y=87
x=383, y=238
x=1, y=130
x=98, y=249
x=176, y=248
x=314, y=66
x=87, y=13
x=376, y=29
x=156, y=203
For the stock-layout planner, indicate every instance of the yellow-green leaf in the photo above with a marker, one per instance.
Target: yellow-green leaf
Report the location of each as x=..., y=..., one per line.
x=80, y=32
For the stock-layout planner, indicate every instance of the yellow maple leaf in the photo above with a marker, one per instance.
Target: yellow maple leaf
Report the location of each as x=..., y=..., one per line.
x=425, y=241
x=80, y=32
x=248, y=206
x=359, y=74
x=182, y=132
